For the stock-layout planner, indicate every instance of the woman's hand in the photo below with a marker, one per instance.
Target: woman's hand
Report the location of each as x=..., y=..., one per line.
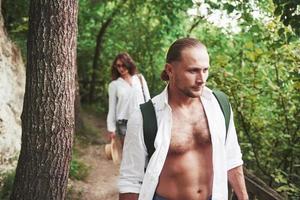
x=110, y=135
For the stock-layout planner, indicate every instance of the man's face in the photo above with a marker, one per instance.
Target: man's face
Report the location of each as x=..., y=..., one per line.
x=189, y=75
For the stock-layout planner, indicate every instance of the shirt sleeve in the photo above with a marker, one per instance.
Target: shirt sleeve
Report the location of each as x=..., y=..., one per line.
x=112, y=105
x=146, y=89
x=233, y=150
x=134, y=156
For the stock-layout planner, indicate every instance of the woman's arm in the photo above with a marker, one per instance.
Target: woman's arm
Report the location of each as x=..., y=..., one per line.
x=112, y=105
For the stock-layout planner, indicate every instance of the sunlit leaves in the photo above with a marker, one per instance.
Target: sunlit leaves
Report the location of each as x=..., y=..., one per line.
x=258, y=69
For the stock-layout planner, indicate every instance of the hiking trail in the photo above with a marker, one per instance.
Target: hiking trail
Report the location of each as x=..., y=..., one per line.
x=101, y=182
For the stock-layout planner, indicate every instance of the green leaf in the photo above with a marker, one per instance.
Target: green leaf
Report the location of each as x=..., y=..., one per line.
x=278, y=11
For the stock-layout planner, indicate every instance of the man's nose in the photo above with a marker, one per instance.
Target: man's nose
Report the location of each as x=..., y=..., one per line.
x=200, y=77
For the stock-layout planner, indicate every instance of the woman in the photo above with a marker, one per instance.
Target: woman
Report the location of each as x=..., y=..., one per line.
x=127, y=90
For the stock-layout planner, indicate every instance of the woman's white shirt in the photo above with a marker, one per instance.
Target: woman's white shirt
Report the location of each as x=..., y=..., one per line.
x=123, y=97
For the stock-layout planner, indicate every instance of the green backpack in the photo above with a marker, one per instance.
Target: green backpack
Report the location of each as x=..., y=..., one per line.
x=150, y=122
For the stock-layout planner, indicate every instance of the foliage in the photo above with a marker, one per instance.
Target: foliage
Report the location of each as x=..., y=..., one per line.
x=7, y=181
x=15, y=14
x=142, y=28
x=289, y=12
x=78, y=169
x=258, y=67
x=73, y=194
x=259, y=70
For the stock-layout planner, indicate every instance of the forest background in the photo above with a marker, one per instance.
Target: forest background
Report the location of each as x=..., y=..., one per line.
x=255, y=59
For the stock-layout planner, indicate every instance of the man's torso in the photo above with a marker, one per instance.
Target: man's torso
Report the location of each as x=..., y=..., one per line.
x=187, y=172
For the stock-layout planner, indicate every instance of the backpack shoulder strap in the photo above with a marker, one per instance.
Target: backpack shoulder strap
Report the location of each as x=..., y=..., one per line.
x=150, y=121
x=149, y=126
x=225, y=107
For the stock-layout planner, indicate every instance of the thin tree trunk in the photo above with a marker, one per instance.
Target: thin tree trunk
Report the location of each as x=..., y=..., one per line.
x=78, y=119
x=196, y=22
x=48, y=110
x=98, y=49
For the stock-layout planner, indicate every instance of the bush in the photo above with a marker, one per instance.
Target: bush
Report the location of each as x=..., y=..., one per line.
x=7, y=184
x=78, y=169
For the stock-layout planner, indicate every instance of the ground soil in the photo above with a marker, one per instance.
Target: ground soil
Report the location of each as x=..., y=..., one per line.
x=100, y=184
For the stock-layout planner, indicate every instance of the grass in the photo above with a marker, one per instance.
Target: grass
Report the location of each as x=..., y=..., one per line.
x=73, y=195
x=78, y=169
x=89, y=132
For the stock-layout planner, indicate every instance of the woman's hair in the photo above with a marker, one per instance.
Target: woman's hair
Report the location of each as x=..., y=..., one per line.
x=128, y=63
x=174, y=52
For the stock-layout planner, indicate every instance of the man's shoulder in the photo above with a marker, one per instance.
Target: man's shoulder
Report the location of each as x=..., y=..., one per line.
x=160, y=99
x=211, y=93
x=207, y=92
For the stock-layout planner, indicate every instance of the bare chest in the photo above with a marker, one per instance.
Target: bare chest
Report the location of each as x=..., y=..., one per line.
x=189, y=131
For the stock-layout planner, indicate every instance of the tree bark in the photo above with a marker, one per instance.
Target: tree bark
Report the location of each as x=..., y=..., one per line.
x=48, y=110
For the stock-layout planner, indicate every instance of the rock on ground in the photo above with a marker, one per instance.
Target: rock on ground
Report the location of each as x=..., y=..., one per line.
x=12, y=87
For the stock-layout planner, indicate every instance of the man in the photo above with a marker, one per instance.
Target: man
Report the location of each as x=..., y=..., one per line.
x=193, y=157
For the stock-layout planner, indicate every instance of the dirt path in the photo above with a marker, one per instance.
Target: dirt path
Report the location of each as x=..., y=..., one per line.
x=101, y=182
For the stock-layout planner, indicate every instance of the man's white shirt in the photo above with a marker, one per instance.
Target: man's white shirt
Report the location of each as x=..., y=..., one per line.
x=226, y=156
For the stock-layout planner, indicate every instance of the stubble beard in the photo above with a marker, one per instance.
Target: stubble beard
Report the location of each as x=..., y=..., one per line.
x=189, y=92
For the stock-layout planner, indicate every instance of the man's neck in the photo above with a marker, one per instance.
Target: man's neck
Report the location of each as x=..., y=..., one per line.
x=177, y=99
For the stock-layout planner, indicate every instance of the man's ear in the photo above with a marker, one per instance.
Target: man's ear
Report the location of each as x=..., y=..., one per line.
x=169, y=69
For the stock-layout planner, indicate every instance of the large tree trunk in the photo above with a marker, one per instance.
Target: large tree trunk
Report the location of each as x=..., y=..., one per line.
x=48, y=110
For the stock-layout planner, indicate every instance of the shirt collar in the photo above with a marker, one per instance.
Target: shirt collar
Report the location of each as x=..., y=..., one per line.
x=163, y=97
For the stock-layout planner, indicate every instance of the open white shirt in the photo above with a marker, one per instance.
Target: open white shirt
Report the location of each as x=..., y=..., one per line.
x=123, y=97
x=133, y=179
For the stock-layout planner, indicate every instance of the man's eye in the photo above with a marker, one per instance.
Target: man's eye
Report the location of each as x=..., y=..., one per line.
x=205, y=69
